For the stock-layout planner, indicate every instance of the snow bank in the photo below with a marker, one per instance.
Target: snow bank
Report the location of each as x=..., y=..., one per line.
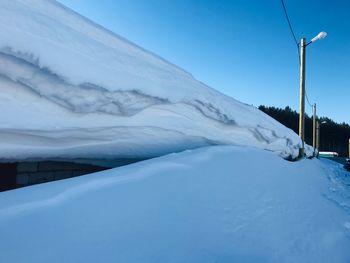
x=70, y=88
x=215, y=204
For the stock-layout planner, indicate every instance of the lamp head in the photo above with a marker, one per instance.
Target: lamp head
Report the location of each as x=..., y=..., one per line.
x=320, y=35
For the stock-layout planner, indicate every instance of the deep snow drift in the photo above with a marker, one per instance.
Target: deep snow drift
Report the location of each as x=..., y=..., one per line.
x=215, y=204
x=69, y=88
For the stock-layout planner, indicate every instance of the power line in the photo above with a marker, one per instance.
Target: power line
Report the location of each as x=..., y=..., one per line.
x=289, y=24
x=291, y=28
x=296, y=42
x=307, y=99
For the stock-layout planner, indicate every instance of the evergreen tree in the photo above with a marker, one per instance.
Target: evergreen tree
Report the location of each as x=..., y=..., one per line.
x=333, y=136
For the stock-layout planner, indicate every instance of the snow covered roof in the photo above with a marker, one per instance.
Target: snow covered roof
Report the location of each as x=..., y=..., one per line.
x=70, y=88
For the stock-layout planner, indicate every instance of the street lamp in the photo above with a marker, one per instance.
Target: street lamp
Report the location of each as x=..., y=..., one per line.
x=303, y=45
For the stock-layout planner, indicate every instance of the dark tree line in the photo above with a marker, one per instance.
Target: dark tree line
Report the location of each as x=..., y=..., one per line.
x=333, y=136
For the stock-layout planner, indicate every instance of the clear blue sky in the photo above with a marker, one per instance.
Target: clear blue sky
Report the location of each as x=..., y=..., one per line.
x=242, y=48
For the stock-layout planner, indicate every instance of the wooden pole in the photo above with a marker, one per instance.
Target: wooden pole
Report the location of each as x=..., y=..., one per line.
x=314, y=129
x=302, y=97
x=317, y=138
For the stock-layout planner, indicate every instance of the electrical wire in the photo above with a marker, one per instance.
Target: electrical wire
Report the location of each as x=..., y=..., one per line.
x=291, y=28
x=296, y=42
x=289, y=24
x=307, y=99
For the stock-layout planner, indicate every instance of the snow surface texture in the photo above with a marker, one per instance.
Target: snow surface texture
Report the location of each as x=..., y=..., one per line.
x=204, y=205
x=69, y=88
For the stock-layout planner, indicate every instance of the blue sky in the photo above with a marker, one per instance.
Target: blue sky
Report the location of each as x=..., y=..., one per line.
x=242, y=48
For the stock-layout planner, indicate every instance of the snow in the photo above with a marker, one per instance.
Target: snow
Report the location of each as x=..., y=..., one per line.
x=213, y=204
x=72, y=89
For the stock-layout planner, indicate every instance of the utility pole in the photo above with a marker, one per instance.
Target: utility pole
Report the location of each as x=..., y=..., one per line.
x=317, y=137
x=302, y=97
x=349, y=148
x=314, y=128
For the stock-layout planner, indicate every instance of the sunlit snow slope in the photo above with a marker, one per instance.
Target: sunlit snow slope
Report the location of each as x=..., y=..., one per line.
x=70, y=88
